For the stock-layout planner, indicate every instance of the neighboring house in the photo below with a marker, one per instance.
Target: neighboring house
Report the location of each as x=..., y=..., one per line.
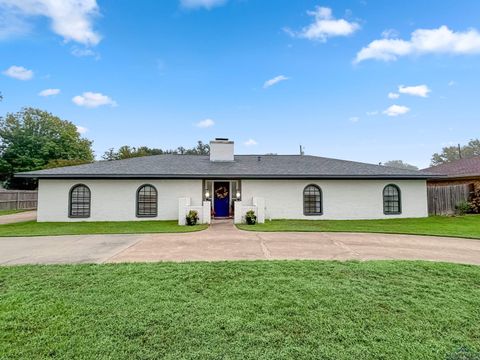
x=166, y=187
x=458, y=172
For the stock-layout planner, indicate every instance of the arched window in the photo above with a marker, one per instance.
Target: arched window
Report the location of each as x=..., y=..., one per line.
x=146, y=201
x=79, y=202
x=312, y=200
x=392, y=200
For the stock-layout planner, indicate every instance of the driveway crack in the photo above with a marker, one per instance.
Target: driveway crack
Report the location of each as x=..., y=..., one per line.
x=266, y=252
x=345, y=247
x=117, y=253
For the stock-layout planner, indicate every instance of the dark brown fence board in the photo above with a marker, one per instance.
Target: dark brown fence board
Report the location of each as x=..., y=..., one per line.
x=442, y=200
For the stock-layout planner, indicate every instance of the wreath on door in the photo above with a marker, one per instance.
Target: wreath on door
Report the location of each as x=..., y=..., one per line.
x=221, y=192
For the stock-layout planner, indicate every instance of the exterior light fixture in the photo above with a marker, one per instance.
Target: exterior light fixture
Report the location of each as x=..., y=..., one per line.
x=207, y=194
x=238, y=195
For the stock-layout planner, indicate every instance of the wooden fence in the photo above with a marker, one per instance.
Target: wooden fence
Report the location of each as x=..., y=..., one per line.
x=18, y=199
x=442, y=200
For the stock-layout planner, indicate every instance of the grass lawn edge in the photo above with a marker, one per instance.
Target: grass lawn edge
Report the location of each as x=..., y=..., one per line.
x=463, y=227
x=184, y=229
x=359, y=232
x=13, y=212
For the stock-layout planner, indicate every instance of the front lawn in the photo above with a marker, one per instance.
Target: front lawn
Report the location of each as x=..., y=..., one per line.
x=240, y=310
x=459, y=226
x=33, y=228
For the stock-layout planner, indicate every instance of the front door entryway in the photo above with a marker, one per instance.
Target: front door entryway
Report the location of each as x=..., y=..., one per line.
x=221, y=198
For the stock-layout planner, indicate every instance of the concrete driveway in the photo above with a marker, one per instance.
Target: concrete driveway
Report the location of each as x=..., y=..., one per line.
x=18, y=217
x=222, y=241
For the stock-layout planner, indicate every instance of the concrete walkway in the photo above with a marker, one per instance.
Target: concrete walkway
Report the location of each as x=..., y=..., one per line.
x=18, y=217
x=223, y=241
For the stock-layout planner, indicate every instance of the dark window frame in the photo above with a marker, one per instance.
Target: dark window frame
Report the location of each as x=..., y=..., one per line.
x=320, y=201
x=137, y=202
x=399, y=201
x=71, y=202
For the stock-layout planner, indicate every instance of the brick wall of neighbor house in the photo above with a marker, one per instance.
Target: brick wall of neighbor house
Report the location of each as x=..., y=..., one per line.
x=114, y=200
x=342, y=199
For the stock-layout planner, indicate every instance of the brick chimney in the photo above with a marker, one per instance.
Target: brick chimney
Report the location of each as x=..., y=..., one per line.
x=221, y=149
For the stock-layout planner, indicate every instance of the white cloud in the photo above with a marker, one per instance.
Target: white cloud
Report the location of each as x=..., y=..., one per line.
x=390, y=33
x=49, y=92
x=250, y=142
x=396, y=110
x=81, y=129
x=354, y=119
x=71, y=19
x=93, y=100
x=207, y=4
x=372, y=113
x=325, y=26
x=11, y=26
x=274, y=81
x=392, y=95
x=205, y=123
x=83, y=52
x=19, y=73
x=419, y=90
x=423, y=41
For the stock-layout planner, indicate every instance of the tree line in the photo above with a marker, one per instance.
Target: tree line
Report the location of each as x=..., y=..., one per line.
x=125, y=151
x=34, y=139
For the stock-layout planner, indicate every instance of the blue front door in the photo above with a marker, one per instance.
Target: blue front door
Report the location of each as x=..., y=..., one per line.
x=221, y=199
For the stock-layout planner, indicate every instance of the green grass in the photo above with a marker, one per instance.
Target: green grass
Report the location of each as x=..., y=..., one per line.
x=9, y=212
x=459, y=226
x=33, y=228
x=240, y=310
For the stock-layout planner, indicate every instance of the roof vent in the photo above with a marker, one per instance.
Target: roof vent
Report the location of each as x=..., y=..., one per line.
x=259, y=158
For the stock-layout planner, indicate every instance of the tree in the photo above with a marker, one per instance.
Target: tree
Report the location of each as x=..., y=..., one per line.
x=399, y=164
x=451, y=153
x=127, y=152
x=63, y=162
x=33, y=139
x=200, y=149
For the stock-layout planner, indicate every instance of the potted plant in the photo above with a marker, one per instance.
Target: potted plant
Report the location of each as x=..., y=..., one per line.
x=192, y=218
x=250, y=217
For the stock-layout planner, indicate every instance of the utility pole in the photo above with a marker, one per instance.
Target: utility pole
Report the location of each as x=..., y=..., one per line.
x=459, y=152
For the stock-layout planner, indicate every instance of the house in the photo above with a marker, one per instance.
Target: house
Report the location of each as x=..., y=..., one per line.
x=166, y=187
x=457, y=172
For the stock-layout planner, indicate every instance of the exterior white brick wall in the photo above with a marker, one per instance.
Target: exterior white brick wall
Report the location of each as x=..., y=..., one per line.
x=114, y=200
x=342, y=199
x=203, y=211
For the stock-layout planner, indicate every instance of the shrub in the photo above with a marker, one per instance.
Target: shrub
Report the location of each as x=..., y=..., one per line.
x=475, y=202
x=463, y=208
x=251, y=218
x=192, y=218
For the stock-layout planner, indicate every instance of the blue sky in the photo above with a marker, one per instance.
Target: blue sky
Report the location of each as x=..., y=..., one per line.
x=362, y=80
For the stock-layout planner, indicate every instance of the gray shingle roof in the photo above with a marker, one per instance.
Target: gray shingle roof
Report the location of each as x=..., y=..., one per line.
x=244, y=166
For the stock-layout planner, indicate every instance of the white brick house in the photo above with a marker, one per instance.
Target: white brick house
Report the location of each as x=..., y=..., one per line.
x=165, y=187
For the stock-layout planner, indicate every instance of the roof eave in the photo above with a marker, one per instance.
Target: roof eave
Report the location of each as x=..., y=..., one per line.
x=233, y=176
